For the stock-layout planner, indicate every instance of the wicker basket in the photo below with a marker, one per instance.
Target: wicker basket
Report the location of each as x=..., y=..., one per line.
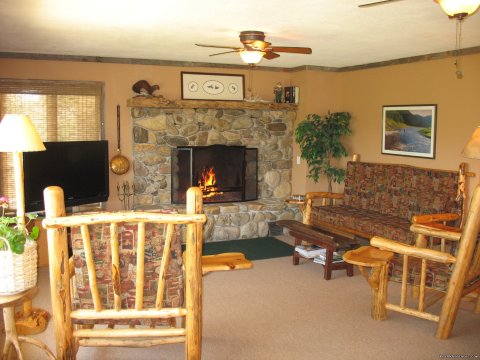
x=18, y=272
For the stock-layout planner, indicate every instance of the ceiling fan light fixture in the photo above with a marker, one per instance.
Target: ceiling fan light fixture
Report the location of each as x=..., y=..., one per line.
x=252, y=56
x=458, y=9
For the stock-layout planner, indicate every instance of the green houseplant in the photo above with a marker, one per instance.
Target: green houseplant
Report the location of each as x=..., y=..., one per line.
x=320, y=142
x=13, y=232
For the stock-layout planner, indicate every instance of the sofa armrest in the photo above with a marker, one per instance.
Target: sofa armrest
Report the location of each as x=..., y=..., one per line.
x=323, y=195
x=327, y=198
x=410, y=250
x=429, y=218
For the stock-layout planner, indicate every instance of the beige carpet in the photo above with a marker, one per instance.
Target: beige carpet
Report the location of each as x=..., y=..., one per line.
x=279, y=311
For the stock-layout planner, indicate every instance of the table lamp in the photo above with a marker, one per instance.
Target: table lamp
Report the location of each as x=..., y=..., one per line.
x=472, y=148
x=18, y=135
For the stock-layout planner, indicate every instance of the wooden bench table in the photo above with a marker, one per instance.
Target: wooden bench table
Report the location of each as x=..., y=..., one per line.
x=323, y=238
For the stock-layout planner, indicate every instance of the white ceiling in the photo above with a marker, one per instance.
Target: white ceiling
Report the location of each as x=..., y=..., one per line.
x=338, y=31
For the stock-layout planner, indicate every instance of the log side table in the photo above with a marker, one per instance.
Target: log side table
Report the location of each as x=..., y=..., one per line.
x=377, y=260
x=8, y=303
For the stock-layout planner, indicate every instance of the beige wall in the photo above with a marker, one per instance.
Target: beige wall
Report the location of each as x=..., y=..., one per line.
x=362, y=93
x=118, y=79
x=319, y=93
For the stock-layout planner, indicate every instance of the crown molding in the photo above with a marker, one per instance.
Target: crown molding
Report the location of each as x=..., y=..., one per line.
x=114, y=60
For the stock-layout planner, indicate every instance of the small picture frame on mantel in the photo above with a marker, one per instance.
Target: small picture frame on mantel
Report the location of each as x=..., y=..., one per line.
x=211, y=86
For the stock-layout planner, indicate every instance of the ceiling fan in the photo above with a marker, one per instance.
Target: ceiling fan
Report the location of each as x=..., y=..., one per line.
x=255, y=48
x=365, y=3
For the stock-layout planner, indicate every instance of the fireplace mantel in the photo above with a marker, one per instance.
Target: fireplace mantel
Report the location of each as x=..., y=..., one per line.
x=160, y=102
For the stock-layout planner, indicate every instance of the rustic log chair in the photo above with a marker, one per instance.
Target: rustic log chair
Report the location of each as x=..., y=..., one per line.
x=128, y=317
x=462, y=264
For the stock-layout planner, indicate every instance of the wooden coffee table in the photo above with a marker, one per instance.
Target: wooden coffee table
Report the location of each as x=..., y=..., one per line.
x=323, y=238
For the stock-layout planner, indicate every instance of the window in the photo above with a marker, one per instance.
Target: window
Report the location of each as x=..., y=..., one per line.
x=60, y=110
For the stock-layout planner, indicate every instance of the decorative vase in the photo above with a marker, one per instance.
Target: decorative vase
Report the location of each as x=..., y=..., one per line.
x=18, y=272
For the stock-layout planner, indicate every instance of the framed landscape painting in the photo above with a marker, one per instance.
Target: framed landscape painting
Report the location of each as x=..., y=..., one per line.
x=409, y=130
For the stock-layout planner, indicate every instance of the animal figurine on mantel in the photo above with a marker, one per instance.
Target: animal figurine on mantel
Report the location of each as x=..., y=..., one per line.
x=142, y=87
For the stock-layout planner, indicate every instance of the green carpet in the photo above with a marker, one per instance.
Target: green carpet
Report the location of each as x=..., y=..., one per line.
x=254, y=249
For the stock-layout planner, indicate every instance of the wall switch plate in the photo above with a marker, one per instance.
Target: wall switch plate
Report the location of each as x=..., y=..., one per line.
x=298, y=160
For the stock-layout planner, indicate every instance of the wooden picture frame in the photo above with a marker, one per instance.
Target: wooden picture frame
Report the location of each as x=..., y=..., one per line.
x=409, y=130
x=212, y=86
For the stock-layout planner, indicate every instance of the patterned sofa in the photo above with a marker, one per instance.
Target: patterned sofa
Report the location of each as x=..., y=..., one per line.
x=384, y=199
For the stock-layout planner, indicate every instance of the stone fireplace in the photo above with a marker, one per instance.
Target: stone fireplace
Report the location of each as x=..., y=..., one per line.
x=161, y=131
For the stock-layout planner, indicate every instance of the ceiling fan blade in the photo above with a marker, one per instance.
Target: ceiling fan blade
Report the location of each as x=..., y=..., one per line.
x=269, y=55
x=225, y=52
x=219, y=46
x=375, y=3
x=291, y=49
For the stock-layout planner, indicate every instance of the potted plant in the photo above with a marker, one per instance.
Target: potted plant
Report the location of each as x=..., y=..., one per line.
x=320, y=142
x=18, y=252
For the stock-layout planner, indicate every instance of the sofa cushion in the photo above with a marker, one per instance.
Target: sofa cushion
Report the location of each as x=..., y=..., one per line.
x=400, y=190
x=127, y=238
x=365, y=221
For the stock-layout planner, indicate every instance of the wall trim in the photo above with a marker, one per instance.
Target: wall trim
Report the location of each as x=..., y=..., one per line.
x=114, y=60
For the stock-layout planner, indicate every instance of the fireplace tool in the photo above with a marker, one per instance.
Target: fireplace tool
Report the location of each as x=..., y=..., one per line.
x=125, y=194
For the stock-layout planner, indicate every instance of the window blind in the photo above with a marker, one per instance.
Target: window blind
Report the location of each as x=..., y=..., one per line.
x=60, y=110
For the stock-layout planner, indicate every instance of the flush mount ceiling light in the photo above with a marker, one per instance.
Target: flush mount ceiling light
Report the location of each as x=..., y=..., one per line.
x=252, y=56
x=458, y=9
x=254, y=48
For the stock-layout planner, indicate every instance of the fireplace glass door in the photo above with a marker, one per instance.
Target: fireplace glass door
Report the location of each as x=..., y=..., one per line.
x=224, y=173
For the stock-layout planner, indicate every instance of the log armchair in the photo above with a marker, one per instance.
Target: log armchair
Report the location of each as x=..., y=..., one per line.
x=449, y=270
x=126, y=288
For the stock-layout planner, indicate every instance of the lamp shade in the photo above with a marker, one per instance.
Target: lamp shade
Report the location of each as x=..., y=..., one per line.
x=459, y=8
x=251, y=56
x=18, y=134
x=472, y=149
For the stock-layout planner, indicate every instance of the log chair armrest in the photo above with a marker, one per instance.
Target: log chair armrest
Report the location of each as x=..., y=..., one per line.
x=410, y=250
x=437, y=230
x=225, y=262
x=428, y=218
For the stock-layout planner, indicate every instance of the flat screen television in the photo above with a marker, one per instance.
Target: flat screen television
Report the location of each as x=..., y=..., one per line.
x=81, y=168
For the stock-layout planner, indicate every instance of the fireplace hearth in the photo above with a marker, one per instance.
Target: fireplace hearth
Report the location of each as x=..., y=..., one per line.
x=224, y=173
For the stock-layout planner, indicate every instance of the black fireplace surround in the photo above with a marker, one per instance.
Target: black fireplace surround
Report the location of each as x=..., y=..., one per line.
x=225, y=173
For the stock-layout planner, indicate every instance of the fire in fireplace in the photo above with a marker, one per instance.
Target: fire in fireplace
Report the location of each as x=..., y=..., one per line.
x=224, y=173
x=208, y=183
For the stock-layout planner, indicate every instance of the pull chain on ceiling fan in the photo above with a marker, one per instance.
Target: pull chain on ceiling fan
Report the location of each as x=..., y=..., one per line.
x=255, y=48
x=458, y=10
x=455, y=9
